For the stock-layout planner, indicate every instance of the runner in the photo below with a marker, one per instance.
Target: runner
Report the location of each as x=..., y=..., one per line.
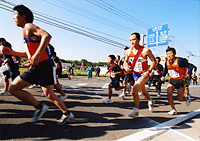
x=157, y=73
x=41, y=72
x=128, y=78
x=188, y=80
x=137, y=56
x=175, y=66
x=115, y=72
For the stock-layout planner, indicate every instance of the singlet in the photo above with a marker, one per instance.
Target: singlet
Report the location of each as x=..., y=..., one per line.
x=32, y=45
x=141, y=64
x=174, y=74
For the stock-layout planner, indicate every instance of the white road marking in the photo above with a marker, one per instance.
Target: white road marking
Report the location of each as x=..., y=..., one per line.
x=142, y=135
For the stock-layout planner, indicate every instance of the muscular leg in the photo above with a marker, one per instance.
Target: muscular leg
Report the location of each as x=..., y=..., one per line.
x=48, y=90
x=170, y=91
x=138, y=85
x=59, y=88
x=180, y=95
x=16, y=89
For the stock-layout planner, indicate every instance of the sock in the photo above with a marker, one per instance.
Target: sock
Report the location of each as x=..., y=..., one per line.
x=67, y=113
x=39, y=106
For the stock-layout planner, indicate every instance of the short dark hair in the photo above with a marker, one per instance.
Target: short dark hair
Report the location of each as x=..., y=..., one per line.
x=2, y=39
x=7, y=44
x=23, y=10
x=158, y=58
x=112, y=56
x=137, y=35
x=126, y=48
x=170, y=49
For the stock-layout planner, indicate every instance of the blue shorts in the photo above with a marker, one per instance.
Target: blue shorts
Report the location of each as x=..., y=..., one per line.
x=136, y=76
x=114, y=84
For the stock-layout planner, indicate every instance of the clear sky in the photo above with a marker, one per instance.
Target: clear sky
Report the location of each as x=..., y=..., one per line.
x=112, y=19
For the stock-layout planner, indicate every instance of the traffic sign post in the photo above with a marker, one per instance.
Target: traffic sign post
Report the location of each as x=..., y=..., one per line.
x=158, y=36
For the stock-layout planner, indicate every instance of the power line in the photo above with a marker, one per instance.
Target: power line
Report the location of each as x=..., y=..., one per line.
x=117, y=13
x=68, y=27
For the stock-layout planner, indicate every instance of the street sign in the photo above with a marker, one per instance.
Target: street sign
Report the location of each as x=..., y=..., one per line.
x=158, y=36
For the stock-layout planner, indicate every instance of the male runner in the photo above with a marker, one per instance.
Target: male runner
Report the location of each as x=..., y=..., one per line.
x=157, y=73
x=115, y=72
x=41, y=72
x=128, y=80
x=188, y=80
x=176, y=67
x=137, y=55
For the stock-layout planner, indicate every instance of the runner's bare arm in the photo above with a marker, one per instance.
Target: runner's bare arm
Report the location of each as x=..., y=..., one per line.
x=33, y=31
x=126, y=61
x=152, y=58
x=8, y=51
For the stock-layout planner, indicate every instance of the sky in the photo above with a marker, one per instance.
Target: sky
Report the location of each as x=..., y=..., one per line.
x=112, y=19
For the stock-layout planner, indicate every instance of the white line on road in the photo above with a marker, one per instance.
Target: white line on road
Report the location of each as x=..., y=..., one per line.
x=142, y=135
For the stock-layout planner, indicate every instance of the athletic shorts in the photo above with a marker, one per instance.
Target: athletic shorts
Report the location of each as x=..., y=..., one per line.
x=136, y=76
x=114, y=84
x=178, y=84
x=42, y=74
x=128, y=78
x=6, y=73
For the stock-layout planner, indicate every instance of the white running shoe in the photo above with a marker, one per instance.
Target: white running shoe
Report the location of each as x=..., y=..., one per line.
x=150, y=104
x=172, y=112
x=139, y=93
x=42, y=95
x=122, y=96
x=63, y=97
x=4, y=93
x=107, y=100
x=134, y=113
x=158, y=95
x=39, y=112
x=188, y=102
x=65, y=118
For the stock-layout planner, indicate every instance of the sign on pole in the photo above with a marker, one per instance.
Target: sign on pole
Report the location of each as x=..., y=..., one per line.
x=158, y=36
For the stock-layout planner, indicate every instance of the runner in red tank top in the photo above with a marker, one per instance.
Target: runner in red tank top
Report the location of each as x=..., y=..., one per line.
x=140, y=70
x=42, y=71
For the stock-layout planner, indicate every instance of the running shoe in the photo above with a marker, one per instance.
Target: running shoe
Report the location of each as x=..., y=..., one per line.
x=134, y=113
x=4, y=93
x=107, y=101
x=139, y=93
x=122, y=96
x=188, y=102
x=39, y=112
x=172, y=112
x=65, y=118
x=150, y=104
x=63, y=97
x=43, y=95
x=158, y=95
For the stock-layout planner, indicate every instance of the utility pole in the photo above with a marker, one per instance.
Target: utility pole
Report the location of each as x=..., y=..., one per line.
x=142, y=39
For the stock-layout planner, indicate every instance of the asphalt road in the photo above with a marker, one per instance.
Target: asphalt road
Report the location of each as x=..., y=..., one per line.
x=94, y=120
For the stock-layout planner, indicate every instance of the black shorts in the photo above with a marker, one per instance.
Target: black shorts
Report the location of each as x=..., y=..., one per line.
x=6, y=73
x=178, y=84
x=114, y=84
x=129, y=78
x=42, y=74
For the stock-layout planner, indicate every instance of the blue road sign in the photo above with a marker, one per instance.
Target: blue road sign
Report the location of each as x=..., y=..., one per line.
x=158, y=36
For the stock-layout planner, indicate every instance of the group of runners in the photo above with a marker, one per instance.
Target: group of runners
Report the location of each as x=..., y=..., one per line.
x=137, y=73
x=135, y=66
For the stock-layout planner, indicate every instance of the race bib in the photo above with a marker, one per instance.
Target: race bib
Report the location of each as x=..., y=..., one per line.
x=138, y=65
x=173, y=74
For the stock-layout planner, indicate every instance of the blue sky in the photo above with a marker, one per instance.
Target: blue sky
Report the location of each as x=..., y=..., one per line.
x=182, y=17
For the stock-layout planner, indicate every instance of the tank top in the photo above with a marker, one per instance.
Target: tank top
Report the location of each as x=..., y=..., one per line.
x=32, y=45
x=141, y=64
x=179, y=73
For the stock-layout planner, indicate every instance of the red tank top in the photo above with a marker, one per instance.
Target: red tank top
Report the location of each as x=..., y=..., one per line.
x=32, y=45
x=141, y=64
